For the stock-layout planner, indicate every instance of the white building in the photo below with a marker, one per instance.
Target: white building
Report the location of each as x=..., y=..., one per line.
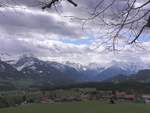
x=146, y=98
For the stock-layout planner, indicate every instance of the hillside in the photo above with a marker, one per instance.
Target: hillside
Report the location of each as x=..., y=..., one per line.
x=143, y=76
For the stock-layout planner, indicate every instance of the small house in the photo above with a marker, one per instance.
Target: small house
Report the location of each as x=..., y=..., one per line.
x=45, y=99
x=146, y=98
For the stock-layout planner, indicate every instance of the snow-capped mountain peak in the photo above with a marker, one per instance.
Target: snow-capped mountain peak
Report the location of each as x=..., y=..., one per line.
x=77, y=66
x=28, y=62
x=25, y=61
x=10, y=59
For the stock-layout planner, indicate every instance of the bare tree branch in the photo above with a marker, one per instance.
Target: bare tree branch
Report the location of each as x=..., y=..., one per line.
x=49, y=5
x=134, y=19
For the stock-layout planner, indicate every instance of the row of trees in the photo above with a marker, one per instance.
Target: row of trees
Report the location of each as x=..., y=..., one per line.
x=15, y=100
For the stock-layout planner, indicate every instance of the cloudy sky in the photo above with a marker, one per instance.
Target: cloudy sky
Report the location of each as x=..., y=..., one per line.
x=53, y=35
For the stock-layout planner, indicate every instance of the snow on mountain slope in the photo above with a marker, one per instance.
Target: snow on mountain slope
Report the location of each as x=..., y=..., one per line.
x=25, y=61
x=92, y=71
x=8, y=72
x=78, y=66
x=131, y=67
x=53, y=72
x=11, y=59
x=115, y=68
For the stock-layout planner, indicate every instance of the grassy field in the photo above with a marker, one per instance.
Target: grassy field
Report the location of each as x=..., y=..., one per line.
x=80, y=107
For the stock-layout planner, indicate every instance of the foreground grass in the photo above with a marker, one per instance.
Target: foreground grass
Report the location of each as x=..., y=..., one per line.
x=80, y=107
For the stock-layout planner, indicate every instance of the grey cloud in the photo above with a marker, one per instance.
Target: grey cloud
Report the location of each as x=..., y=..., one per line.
x=18, y=22
x=17, y=25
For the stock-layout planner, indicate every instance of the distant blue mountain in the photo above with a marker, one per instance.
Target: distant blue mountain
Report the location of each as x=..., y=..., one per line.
x=54, y=73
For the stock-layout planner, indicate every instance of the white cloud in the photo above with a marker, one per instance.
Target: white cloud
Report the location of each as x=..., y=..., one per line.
x=30, y=30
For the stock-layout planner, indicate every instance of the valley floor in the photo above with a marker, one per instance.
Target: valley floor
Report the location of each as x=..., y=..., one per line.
x=80, y=107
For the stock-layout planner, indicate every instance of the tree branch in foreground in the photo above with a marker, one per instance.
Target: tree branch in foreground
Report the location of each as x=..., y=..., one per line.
x=55, y=1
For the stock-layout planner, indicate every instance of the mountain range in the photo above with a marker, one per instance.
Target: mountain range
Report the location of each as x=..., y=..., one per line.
x=34, y=70
x=143, y=76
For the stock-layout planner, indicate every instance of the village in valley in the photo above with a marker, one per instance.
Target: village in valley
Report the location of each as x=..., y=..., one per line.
x=91, y=94
x=70, y=95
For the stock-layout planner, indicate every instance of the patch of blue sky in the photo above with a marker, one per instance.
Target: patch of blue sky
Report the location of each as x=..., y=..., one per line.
x=78, y=41
x=145, y=37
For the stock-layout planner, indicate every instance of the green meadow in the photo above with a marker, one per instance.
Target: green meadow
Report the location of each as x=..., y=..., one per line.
x=80, y=107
